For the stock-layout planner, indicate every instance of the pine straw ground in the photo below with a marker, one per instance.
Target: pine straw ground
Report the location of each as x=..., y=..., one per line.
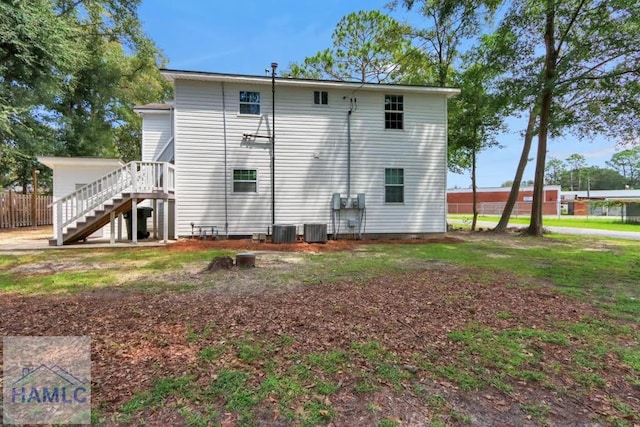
x=388, y=351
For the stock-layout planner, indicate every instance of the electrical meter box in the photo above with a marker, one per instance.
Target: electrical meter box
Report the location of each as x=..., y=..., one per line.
x=361, y=204
x=335, y=201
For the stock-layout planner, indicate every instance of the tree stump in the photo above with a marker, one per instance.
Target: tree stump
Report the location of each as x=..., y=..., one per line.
x=220, y=263
x=246, y=260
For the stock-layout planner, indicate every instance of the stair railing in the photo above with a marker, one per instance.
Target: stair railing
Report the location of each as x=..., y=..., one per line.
x=134, y=177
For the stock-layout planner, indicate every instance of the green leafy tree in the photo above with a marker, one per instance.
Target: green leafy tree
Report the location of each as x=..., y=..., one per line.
x=472, y=117
x=627, y=164
x=576, y=162
x=70, y=73
x=475, y=121
x=554, y=171
x=524, y=183
x=37, y=51
x=595, y=178
x=368, y=46
x=573, y=66
x=95, y=108
x=450, y=23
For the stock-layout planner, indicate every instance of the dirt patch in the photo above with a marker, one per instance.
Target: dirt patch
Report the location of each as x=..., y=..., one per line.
x=139, y=336
x=11, y=235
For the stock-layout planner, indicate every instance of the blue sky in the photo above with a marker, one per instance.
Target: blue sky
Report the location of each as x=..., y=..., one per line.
x=245, y=37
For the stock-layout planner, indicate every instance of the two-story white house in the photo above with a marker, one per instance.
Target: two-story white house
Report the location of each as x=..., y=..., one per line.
x=364, y=159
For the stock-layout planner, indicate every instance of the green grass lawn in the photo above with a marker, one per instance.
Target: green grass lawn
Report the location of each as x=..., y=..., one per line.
x=256, y=371
x=598, y=223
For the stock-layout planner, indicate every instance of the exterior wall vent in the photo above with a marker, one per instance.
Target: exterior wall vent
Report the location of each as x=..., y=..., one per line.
x=315, y=233
x=284, y=233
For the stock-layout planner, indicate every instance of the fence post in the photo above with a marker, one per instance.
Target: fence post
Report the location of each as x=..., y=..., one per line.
x=11, y=207
x=34, y=198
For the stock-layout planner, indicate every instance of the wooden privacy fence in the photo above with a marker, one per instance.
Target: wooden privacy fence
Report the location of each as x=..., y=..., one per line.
x=17, y=210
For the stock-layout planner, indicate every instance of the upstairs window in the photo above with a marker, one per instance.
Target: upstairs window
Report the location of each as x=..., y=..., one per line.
x=245, y=181
x=394, y=185
x=393, y=112
x=320, y=97
x=249, y=102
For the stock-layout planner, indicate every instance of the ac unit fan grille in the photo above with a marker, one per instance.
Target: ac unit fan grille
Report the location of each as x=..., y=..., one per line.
x=315, y=233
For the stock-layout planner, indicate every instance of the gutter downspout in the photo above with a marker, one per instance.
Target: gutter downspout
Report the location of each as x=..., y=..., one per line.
x=226, y=188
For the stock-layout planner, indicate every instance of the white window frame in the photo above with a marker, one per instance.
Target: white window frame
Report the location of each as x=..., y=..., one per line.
x=395, y=101
x=402, y=185
x=234, y=180
x=248, y=103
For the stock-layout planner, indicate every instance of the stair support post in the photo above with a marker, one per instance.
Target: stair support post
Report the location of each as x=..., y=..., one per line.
x=165, y=222
x=112, y=220
x=120, y=227
x=155, y=219
x=59, y=224
x=134, y=220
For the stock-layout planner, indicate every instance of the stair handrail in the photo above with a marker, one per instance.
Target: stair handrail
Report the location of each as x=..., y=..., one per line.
x=134, y=176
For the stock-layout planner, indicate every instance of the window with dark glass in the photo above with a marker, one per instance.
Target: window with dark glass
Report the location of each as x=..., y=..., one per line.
x=394, y=185
x=393, y=112
x=320, y=97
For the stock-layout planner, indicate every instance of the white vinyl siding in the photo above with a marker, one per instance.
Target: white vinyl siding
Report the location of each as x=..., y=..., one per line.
x=310, y=158
x=156, y=132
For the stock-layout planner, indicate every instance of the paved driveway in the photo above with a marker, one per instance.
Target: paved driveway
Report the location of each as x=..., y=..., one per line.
x=29, y=238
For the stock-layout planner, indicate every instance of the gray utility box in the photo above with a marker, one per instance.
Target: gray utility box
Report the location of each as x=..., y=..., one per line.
x=315, y=233
x=284, y=233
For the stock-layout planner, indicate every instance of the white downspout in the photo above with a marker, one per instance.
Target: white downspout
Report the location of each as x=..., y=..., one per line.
x=226, y=188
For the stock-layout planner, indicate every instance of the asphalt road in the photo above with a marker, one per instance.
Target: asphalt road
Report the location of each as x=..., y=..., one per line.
x=628, y=235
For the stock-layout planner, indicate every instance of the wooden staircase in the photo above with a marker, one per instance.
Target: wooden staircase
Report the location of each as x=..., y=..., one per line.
x=88, y=209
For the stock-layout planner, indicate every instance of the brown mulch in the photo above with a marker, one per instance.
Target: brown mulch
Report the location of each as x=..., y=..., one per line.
x=187, y=245
x=137, y=336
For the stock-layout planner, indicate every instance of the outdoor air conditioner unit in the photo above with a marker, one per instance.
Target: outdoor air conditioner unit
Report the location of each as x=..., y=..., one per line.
x=315, y=233
x=284, y=233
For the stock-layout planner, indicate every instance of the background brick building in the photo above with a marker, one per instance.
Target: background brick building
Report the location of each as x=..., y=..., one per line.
x=491, y=201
